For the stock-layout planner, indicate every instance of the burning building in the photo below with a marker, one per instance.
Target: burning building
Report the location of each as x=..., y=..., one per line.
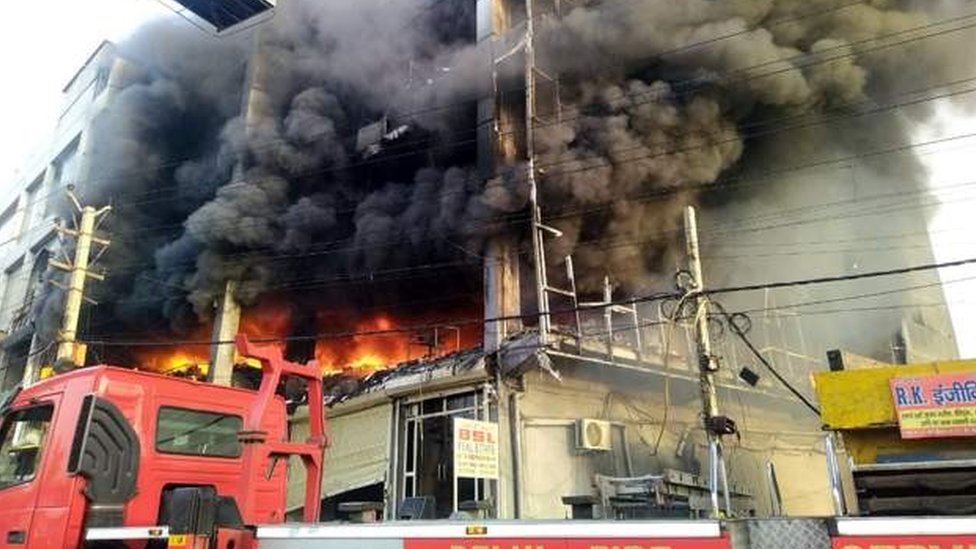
x=451, y=222
x=33, y=204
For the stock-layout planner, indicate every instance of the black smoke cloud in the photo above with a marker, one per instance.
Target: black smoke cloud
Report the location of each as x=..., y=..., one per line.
x=235, y=159
x=662, y=94
x=262, y=182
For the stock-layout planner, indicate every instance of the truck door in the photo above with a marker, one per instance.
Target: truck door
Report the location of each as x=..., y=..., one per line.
x=23, y=436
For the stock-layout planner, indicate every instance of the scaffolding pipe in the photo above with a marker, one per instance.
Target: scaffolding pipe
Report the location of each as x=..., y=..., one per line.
x=515, y=426
x=539, y=254
x=833, y=471
x=775, y=498
x=713, y=472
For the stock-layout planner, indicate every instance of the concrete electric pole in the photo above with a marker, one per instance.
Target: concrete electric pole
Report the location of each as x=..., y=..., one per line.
x=79, y=272
x=226, y=324
x=706, y=361
x=707, y=367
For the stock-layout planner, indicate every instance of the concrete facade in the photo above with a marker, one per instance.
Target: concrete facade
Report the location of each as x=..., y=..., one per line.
x=32, y=201
x=538, y=396
x=654, y=421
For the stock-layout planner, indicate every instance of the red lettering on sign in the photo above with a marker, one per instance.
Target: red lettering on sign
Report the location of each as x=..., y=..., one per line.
x=533, y=543
x=905, y=542
x=714, y=543
x=464, y=434
x=482, y=544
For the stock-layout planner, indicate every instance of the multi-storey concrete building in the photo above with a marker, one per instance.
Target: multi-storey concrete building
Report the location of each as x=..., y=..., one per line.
x=575, y=408
x=632, y=381
x=28, y=222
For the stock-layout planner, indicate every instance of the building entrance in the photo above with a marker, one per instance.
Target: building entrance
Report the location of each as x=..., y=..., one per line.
x=427, y=452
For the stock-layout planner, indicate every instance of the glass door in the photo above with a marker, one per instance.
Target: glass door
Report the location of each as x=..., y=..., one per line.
x=427, y=451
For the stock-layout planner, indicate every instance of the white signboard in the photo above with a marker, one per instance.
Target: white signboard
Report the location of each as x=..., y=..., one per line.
x=475, y=449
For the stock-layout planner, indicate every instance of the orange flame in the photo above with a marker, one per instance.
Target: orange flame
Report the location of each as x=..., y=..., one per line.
x=269, y=319
x=168, y=361
x=376, y=341
x=365, y=353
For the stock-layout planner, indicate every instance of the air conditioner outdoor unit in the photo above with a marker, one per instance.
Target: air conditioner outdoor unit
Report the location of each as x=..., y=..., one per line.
x=593, y=435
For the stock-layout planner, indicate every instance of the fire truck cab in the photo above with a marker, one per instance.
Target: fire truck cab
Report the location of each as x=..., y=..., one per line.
x=108, y=453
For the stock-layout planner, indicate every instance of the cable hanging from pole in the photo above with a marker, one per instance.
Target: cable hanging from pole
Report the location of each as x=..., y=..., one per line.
x=735, y=323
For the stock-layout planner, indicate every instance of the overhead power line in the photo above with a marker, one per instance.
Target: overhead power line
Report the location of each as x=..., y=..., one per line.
x=874, y=309
x=660, y=296
x=838, y=278
x=730, y=319
x=325, y=248
x=869, y=295
x=764, y=128
x=346, y=245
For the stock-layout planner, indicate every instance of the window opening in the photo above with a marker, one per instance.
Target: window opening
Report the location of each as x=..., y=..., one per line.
x=427, y=451
x=101, y=81
x=198, y=433
x=22, y=439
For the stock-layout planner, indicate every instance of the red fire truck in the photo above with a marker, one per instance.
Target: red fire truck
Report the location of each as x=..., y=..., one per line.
x=96, y=452
x=110, y=457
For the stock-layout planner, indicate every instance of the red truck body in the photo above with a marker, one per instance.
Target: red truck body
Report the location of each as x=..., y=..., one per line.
x=102, y=452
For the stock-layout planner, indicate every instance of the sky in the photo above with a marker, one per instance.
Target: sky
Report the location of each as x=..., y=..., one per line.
x=953, y=229
x=44, y=42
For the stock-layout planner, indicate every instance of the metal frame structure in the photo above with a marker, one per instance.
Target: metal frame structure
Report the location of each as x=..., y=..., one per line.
x=411, y=425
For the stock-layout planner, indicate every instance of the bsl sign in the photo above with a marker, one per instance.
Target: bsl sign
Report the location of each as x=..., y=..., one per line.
x=475, y=449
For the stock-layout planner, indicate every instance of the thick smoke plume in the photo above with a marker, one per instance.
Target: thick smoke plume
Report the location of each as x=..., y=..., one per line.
x=672, y=94
x=260, y=179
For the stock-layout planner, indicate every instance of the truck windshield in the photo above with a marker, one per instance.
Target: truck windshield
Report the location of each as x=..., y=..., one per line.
x=21, y=441
x=197, y=433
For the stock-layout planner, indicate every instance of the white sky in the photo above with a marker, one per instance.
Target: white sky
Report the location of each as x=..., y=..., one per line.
x=43, y=43
x=953, y=230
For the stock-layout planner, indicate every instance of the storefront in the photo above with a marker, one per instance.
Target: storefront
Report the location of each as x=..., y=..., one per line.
x=393, y=440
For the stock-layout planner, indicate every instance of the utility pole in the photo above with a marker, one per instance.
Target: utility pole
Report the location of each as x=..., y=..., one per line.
x=223, y=349
x=706, y=361
x=69, y=350
x=715, y=424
